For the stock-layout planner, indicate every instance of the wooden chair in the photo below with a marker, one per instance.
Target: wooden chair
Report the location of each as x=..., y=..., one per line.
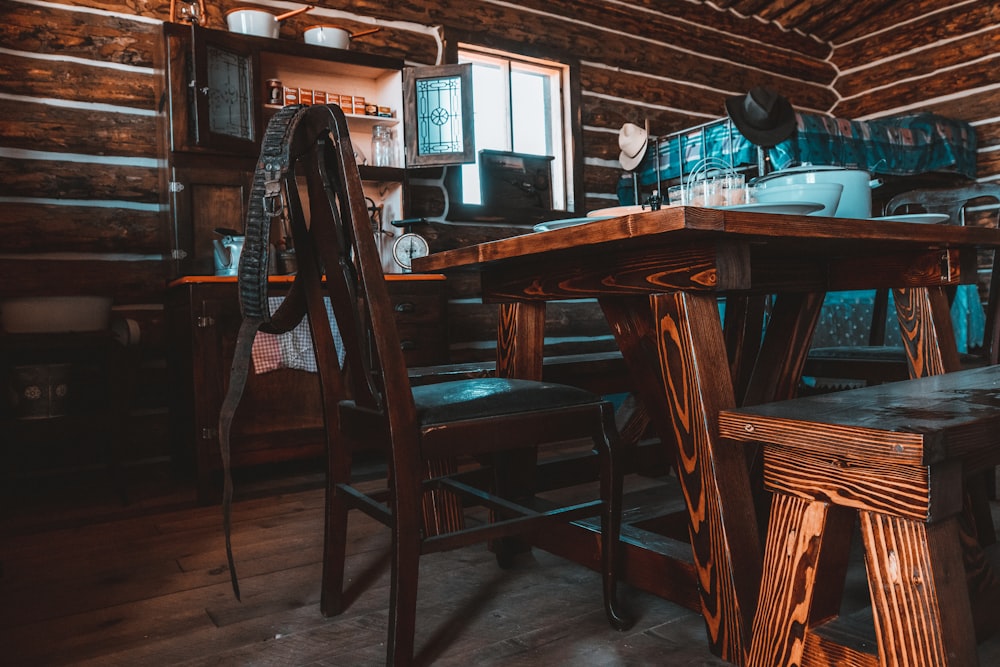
x=877, y=362
x=422, y=430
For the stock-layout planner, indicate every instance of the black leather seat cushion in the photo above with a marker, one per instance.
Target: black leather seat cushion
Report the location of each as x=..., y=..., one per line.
x=491, y=397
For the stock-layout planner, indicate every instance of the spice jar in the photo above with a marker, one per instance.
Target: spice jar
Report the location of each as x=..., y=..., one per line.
x=383, y=146
x=275, y=92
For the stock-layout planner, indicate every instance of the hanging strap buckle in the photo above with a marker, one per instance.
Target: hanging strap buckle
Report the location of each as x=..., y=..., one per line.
x=274, y=201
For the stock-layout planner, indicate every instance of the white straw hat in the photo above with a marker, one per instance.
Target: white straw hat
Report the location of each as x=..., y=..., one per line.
x=632, y=141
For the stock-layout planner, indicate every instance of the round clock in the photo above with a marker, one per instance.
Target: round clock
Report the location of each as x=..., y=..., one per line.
x=408, y=246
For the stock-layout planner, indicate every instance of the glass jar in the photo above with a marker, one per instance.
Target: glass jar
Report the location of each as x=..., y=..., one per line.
x=383, y=146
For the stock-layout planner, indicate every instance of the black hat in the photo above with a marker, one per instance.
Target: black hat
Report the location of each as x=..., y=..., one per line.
x=762, y=116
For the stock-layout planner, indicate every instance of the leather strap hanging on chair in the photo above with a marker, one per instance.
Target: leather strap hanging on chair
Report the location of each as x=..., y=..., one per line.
x=266, y=203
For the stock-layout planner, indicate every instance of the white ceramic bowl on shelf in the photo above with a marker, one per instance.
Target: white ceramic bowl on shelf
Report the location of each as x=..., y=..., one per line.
x=327, y=35
x=253, y=22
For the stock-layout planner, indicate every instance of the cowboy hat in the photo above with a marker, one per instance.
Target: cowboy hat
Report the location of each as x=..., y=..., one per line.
x=762, y=116
x=632, y=141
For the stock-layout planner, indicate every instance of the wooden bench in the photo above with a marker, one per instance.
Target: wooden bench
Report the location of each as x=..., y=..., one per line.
x=901, y=457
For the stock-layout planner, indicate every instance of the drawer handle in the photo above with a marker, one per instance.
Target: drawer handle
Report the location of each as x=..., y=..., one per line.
x=407, y=345
x=405, y=307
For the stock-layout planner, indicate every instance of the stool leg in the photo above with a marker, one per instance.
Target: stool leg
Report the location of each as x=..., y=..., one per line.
x=919, y=593
x=794, y=538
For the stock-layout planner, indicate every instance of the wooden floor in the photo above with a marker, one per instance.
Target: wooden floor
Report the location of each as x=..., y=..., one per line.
x=88, y=581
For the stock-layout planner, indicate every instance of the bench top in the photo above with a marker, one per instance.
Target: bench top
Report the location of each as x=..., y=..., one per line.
x=913, y=422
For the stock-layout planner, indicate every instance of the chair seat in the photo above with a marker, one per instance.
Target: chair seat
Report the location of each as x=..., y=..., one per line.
x=492, y=397
x=860, y=352
x=876, y=354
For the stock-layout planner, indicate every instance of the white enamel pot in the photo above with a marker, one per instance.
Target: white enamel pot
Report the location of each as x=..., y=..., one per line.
x=332, y=36
x=855, y=199
x=258, y=22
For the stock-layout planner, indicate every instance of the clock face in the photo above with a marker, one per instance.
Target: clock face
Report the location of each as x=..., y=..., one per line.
x=407, y=247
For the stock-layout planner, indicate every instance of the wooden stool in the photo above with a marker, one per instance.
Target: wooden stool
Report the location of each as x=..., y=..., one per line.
x=896, y=456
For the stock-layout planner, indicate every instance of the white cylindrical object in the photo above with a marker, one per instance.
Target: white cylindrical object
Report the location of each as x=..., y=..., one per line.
x=252, y=22
x=856, y=198
x=327, y=35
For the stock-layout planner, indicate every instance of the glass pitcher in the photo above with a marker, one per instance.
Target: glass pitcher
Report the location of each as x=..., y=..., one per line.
x=383, y=146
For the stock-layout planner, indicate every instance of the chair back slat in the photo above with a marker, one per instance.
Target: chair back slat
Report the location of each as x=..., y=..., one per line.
x=335, y=240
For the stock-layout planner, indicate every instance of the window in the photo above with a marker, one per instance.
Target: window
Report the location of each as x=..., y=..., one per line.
x=522, y=105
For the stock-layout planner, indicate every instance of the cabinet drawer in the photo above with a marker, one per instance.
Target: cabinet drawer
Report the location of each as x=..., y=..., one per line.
x=417, y=308
x=422, y=344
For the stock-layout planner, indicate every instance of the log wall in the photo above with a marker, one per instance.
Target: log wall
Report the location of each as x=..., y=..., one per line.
x=931, y=55
x=82, y=177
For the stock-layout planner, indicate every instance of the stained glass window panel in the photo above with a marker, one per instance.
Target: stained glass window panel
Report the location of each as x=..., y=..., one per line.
x=439, y=115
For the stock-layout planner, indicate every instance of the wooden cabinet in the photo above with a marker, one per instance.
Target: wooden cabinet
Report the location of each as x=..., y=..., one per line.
x=218, y=86
x=280, y=416
x=65, y=403
x=217, y=98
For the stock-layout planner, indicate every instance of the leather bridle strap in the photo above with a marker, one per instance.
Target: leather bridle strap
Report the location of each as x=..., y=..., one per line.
x=266, y=202
x=237, y=382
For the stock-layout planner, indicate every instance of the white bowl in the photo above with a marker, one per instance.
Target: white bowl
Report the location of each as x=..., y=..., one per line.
x=55, y=314
x=827, y=194
x=327, y=35
x=253, y=22
x=856, y=199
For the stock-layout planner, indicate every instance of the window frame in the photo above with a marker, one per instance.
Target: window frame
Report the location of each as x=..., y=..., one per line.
x=410, y=76
x=573, y=164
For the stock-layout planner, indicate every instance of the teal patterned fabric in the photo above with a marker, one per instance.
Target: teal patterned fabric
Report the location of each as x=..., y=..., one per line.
x=846, y=319
x=893, y=146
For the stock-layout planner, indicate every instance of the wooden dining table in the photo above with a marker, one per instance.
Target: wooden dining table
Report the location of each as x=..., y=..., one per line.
x=659, y=276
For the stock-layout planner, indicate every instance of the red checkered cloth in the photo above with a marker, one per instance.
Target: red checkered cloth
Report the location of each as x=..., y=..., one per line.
x=266, y=353
x=293, y=349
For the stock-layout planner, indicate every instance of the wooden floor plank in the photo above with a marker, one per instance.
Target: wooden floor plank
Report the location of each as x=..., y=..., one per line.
x=151, y=588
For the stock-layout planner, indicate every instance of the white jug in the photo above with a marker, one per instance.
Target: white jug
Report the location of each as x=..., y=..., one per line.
x=227, y=254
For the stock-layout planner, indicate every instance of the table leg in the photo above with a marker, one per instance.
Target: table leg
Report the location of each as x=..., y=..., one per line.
x=928, y=336
x=784, y=348
x=776, y=377
x=520, y=351
x=521, y=340
x=743, y=326
x=674, y=347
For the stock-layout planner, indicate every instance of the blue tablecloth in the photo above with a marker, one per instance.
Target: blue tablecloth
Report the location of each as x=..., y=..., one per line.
x=899, y=145
x=846, y=318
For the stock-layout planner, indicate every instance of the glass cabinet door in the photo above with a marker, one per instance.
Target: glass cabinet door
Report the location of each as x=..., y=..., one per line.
x=225, y=102
x=230, y=93
x=438, y=115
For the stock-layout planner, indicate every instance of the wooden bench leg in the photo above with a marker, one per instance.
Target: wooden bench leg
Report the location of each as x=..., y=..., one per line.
x=918, y=589
x=794, y=538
